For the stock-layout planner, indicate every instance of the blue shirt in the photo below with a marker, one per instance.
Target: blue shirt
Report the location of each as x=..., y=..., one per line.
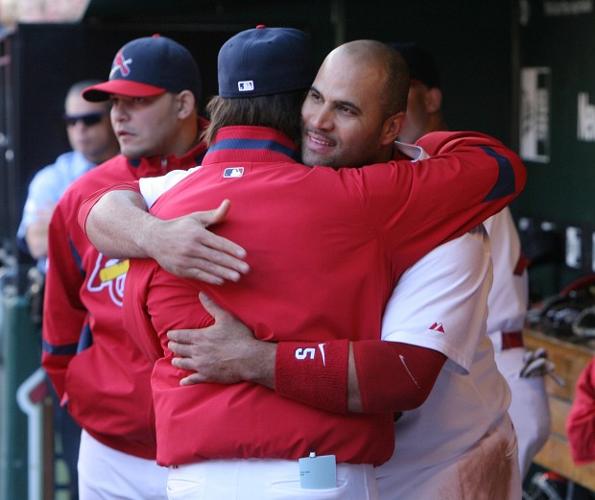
x=48, y=185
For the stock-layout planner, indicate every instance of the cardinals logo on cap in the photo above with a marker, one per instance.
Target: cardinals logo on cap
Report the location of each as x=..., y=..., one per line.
x=121, y=64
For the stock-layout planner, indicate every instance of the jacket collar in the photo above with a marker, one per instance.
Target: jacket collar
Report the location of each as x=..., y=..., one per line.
x=192, y=157
x=253, y=144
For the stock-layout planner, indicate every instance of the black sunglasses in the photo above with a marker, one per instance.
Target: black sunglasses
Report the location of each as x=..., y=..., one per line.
x=88, y=119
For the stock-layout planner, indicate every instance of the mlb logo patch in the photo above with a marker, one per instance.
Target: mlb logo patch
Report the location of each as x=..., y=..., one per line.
x=246, y=85
x=232, y=172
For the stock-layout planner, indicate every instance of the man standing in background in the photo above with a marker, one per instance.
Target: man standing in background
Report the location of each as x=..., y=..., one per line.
x=92, y=141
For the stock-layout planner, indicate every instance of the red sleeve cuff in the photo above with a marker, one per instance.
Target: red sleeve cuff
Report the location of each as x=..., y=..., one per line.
x=90, y=202
x=314, y=373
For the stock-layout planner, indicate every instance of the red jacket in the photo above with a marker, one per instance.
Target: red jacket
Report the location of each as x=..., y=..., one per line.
x=86, y=351
x=580, y=425
x=325, y=249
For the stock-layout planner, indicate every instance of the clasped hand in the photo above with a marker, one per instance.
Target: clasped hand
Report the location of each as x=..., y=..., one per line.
x=226, y=352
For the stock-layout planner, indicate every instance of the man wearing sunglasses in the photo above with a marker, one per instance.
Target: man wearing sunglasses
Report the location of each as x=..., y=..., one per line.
x=92, y=141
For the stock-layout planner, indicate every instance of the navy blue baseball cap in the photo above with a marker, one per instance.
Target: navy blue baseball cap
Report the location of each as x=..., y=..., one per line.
x=146, y=67
x=265, y=61
x=422, y=65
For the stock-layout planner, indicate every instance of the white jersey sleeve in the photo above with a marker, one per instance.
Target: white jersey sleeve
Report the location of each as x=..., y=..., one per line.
x=441, y=301
x=151, y=188
x=509, y=297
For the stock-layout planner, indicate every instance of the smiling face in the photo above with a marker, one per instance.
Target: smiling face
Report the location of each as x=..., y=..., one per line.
x=344, y=116
x=146, y=126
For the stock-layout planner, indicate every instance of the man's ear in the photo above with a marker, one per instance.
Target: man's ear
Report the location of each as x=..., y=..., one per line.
x=186, y=104
x=391, y=128
x=433, y=100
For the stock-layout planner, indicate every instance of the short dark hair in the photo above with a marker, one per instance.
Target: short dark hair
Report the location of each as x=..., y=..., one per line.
x=396, y=83
x=279, y=111
x=421, y=62
x=77, y=89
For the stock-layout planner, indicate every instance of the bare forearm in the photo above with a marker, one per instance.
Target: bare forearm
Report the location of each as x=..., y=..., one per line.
x=260, y=365
x=117, y=224
x=120, y=226
x=354, y=398
x=37, y=239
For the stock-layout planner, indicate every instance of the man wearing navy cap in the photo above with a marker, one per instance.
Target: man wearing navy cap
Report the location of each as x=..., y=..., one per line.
x=325, y=249
x=99, y=374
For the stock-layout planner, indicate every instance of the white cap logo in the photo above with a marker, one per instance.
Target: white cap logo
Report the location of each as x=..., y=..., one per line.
x=246, y=85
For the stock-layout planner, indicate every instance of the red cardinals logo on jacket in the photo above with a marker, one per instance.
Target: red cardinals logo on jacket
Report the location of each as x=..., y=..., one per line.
x=110, y=275
x=120, y=64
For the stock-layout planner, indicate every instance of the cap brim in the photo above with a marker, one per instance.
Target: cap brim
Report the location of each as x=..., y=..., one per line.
x=128, y=88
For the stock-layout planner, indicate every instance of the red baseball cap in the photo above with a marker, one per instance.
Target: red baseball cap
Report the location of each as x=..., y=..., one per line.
x=146, y=67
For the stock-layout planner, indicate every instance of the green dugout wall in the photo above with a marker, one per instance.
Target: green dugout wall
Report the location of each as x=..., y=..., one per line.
x=556, y=125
